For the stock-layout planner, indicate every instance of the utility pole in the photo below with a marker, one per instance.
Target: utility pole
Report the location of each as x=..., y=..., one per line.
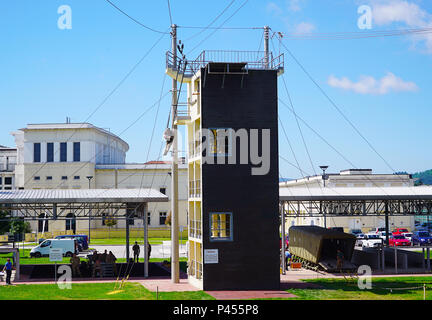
x=266, y=47
x=175, y=271
x=89, y=220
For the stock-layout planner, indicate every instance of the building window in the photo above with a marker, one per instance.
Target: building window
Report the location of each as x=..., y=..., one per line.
x=36, y=178
x=49, y=178
x=71, y=222
x=36, y=152
x=8, y=180
x=221, y=226
x=76, y=177
x=63, y=151
x=42, y=223
x=64, y=177
x=162, y=218
x=76, y=152
x=50, y=152
x=162, y=190
x=220, y=142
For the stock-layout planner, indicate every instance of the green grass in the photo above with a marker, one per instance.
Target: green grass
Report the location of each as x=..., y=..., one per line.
x=341, y=289
x=122, y=241
x=93, y=291
x=25, y=259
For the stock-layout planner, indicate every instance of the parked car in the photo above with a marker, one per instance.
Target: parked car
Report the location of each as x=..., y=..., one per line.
x=355, y=231
x=408, y=235
x=421, y=238
x=43, y=250
x=359, y=241
x=82, y=240
x=340, y=229
x=377, y=230
x=398, y=231
x=427, y=224
x=383, y=235
x=286, y=242
x=371, y=240
x=399, y=241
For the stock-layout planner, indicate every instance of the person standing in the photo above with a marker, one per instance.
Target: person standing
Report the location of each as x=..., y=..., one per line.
x=75, y=263
x=136, y=251
x=8, y=268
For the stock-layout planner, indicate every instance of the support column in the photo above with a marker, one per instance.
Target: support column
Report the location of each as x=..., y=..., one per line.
x=428, y=259
x=146, y=257
x=387, y=223
x=282, y=212
x=266, y=47
x=175, y=269
x=127, y=236
x=395, y=258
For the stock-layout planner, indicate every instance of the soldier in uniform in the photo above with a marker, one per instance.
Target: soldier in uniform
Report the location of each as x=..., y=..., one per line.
x=97, y=268
x=75, y=263
x=136, y=251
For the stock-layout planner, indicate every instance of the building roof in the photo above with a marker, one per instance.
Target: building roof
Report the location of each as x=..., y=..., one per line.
x=139, y=166
x=70, y=126
x=364, y=193
x=36, y=196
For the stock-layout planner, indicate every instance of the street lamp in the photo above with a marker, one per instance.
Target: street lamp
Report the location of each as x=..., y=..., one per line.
x=89, y=179
x=324, y=168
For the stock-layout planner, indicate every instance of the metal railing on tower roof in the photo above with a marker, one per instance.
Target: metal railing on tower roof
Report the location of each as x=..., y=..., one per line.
x=254, y=60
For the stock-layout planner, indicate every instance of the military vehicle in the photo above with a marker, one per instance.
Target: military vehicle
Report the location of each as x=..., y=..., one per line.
x=317, y=248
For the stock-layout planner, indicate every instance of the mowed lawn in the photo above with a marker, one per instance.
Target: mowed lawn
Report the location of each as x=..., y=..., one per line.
x=93, y=291
x=25, y=259
x=341, y=289
x=330, y=289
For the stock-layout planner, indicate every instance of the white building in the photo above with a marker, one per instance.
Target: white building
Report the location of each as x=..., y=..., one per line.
x=351, y=178
x=8, y=158
x=81, y=156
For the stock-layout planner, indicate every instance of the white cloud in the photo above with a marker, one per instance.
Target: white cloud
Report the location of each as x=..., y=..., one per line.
x=400, y=11
x=304, y=27
x=405, y=13
x=294, y=5
x=274, y=8
x=370, y=85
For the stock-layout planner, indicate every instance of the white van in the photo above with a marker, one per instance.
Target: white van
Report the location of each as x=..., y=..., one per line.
x=68, y=246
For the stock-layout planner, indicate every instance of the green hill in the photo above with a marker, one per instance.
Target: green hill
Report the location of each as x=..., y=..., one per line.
x=424, y=177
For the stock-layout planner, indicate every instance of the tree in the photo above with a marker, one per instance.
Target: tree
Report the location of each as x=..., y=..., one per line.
x=168, y=219
x=110, y=222
x=4, y=224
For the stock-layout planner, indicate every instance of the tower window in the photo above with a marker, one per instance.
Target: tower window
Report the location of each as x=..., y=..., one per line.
x=221, y=226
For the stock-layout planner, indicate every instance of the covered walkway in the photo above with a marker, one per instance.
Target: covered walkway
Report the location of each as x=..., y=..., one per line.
x=87, y=204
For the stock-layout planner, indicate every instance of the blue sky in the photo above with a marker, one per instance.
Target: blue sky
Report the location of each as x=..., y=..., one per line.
x=382, y=84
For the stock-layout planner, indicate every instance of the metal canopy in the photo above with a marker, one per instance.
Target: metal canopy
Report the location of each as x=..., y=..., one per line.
x=356, y=201
x=57, y=203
